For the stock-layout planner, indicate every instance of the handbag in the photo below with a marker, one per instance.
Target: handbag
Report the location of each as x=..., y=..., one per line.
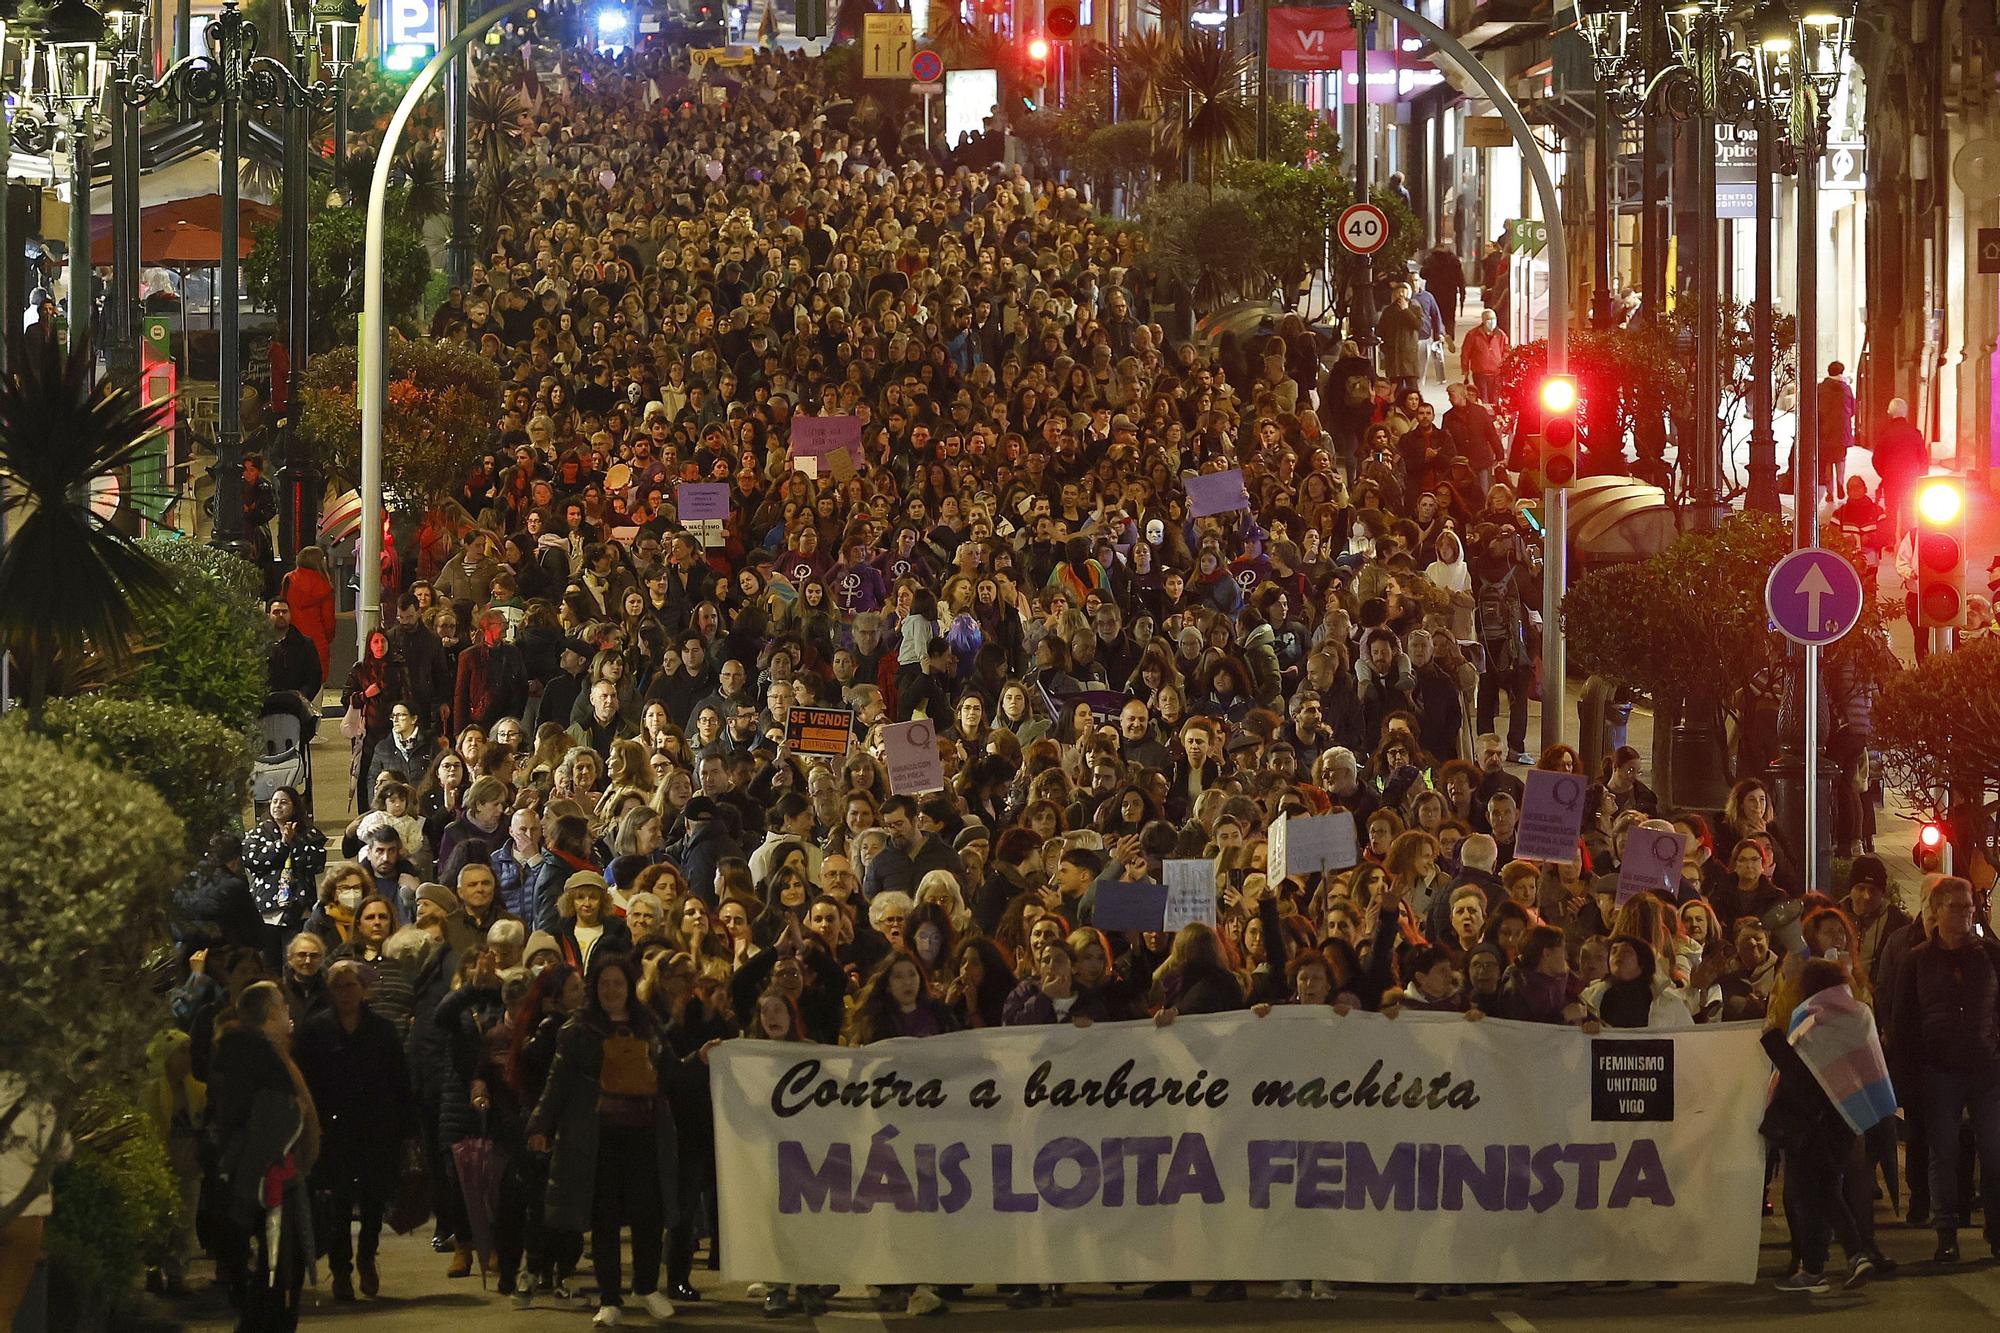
x=411, y=1206
x=352, y=724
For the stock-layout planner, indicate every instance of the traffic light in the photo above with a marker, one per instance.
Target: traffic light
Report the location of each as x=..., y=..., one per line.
x=1038, y=52
x=1940, y=543
x=1929, y=848
x=1559, y=461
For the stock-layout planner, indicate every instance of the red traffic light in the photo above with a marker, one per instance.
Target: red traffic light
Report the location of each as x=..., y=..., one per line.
x=1038, y=49
x=1931, y=845
x=1559, y=394
x=1940, y=552
x=1557, y=398
x=1940, y=500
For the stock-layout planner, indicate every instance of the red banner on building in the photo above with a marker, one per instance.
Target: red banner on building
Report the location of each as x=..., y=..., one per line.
x=1304, y=39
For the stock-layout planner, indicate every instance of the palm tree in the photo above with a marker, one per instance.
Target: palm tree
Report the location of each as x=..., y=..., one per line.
x=422, y=177
x=493, y=123
x=505, y=195
x=1145, y=62
x=1215, y=120
x=69, y=581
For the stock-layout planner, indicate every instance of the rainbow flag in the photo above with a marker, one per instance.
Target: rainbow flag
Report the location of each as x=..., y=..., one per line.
x=1834, y=1034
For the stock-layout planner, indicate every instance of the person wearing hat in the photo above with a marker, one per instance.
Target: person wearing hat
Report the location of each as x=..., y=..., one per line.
x=436, y=906
x=588, y=925
x=560, y=692
x=1876, y=914
x=704, y=842
x=540, y=951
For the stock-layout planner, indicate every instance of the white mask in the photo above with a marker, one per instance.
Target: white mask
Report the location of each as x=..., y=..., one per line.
x=349, y=898
x=1156, y=532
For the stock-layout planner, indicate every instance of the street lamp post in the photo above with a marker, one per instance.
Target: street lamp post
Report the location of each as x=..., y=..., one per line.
x=1801, y=62
x=62, y=82
x=1702, y=84
x=228, y=75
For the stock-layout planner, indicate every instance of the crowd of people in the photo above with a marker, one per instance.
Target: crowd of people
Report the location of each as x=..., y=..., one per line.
x=583, y=849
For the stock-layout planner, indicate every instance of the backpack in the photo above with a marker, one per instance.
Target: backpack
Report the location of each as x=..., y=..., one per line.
x=1496, y=619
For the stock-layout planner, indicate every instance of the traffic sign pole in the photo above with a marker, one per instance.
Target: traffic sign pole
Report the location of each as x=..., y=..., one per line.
x=1814, y=596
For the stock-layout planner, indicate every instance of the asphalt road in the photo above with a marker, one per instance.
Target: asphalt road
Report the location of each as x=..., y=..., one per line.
x=419, y=1299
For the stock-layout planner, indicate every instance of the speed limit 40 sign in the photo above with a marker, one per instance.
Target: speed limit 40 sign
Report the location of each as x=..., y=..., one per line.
x=1363, y=229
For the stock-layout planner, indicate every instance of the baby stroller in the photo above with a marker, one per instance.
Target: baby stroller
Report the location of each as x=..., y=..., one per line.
x=284, y=758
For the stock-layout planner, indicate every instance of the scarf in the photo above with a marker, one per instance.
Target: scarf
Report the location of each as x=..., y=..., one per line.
x=1834, y=1034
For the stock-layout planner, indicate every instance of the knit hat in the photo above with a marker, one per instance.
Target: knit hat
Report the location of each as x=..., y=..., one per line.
x=438, y=896
x=539, y=942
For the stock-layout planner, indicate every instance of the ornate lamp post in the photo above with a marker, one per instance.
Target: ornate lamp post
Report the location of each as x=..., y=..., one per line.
x=228, y=75
x=1802, y=56
x=62, y=80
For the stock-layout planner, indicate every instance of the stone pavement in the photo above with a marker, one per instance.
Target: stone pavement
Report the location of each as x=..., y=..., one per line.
x=419, y=1299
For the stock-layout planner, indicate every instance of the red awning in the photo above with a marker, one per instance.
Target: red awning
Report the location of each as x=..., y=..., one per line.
x=182, y=233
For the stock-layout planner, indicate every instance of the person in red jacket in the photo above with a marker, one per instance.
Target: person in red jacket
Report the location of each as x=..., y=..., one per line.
x=492, y=680
x=310, y=595
x=1901, y=455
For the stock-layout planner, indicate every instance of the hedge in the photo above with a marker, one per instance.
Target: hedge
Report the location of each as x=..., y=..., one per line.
x=115, y=1205
x=198, y=764
x=86, y=873
x=204, y=647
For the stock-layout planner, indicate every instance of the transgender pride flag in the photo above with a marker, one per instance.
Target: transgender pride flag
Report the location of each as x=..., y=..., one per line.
x=1834, y=1034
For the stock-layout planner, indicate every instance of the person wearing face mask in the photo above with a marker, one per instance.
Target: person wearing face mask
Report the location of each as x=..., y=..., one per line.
x=341, y=890
x=1482, y=356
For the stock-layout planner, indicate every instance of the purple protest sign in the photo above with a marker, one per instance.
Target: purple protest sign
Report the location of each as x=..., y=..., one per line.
x=1813, y=595
x=815, y=437
x=1652, y=862
x=1217, y=493
x=702, y=499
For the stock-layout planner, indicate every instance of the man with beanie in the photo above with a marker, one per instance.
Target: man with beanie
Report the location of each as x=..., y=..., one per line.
x=1877, y=915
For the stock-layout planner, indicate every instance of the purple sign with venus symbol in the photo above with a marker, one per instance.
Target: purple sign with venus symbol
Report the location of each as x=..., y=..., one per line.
x=1813, y=595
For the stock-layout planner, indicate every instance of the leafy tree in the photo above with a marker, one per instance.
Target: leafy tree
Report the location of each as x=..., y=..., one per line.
x=1689, y=627
x=71, y=584
x=1938, y=727
x=503, y=197
x=493, y=122
x=202, y=646
x=336, y=245
x=85, y=873
x=1303, y=136
x=1121, y=155
x=1208, y=116
x=440, y=412
x=1292, y=212
x=1633, y=382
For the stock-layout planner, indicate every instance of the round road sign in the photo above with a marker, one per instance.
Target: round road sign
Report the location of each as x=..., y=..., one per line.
x=1363, y=229
x=926, y=67
x=1813, y=595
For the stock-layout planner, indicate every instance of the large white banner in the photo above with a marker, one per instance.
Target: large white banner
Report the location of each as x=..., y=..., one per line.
x=1301, y=1145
